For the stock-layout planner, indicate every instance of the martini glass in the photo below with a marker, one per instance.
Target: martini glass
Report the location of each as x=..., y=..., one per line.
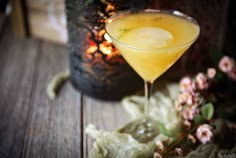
x=151, y=41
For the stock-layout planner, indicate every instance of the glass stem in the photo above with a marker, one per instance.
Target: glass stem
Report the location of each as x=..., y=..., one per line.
x=148, y=93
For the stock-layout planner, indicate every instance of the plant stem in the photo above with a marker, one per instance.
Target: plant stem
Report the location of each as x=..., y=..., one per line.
x=166, y=152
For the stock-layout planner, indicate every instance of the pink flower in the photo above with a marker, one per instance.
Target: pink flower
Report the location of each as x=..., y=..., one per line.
x=186, y=84
x=160, y=146
x=204, y=133
x=178, y=106
x=201, y=80
x=188, y=113
x=211, y=72
x=179, y=151
x=226, y=64
x=187, y=124
x=157, y=155
x=195, y=109
x=192, y=138
x=186, y=98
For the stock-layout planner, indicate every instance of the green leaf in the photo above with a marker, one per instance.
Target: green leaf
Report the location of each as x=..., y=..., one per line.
x=198, y=119
x=163, y=130
x=207, y=111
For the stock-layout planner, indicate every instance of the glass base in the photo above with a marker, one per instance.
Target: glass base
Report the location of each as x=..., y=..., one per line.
x=143, y=130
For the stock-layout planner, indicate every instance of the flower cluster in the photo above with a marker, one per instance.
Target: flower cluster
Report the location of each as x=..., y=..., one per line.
x=228, y=66
x=195, y=111
x=189, y=103
x=160, y=148
x=191, y=100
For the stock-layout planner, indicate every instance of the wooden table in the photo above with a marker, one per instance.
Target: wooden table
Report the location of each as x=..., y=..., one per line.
x=31, y=125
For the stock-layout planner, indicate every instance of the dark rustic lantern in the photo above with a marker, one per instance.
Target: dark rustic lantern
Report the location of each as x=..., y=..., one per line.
x=96, y=66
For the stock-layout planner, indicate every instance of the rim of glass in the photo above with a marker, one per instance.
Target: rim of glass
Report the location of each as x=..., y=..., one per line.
x=171, y=12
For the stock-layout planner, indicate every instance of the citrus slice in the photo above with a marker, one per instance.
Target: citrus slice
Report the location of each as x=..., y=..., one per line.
x=147, y=38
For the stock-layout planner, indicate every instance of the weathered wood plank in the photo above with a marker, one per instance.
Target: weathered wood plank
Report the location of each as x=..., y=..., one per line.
x=17, y=63
x=104, y=115
x=54, y=126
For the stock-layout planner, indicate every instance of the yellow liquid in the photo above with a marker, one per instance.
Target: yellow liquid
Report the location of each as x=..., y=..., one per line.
x=151, y=42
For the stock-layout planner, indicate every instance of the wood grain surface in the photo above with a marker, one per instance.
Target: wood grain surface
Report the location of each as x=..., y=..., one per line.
x=104, y=115
x=31, y=125
x=53, y=128
x=17, y=65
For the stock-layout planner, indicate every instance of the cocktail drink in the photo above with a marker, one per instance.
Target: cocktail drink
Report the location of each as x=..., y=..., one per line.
x=151, y=41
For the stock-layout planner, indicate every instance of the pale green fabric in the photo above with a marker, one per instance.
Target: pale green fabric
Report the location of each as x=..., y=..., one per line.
x=161, y=108
x=117, y=145
x=121, y=145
